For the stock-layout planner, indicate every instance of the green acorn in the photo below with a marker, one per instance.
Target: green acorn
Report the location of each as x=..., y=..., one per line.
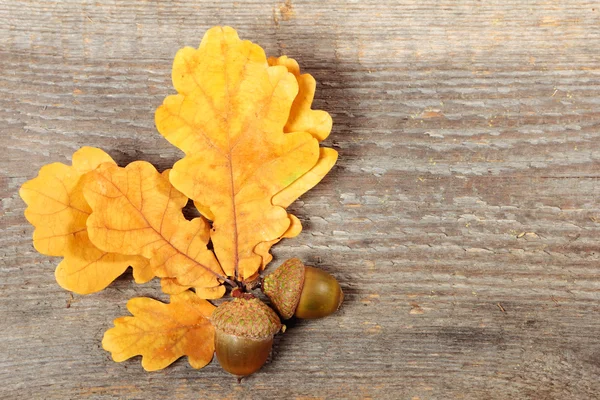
x=244, y=329
x=306, y=292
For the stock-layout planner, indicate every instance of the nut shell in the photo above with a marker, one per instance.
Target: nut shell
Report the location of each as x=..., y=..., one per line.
x=321, y=295
x=284, y=286
x=239, y=355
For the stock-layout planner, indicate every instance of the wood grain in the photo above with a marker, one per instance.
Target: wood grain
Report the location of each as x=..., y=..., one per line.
x=462, y=218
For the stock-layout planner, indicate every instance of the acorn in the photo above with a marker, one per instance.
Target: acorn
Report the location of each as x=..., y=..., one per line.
x=306, y=292
x=244, y=329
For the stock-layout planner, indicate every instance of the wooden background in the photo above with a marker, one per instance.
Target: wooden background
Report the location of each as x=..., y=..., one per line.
x=462, y=218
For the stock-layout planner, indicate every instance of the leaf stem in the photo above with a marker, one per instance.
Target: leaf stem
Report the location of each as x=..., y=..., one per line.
x=230, y=282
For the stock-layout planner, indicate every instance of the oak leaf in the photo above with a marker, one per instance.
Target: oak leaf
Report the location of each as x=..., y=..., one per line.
x=161, y=333
x=228, y=118
x=57, y=209
x=172, y=286
x=137, y=211
x=287, y=196
x=262, y=249
x=302, y=118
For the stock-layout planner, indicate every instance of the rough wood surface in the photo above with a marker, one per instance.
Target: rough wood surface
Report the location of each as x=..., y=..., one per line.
x=462, y=218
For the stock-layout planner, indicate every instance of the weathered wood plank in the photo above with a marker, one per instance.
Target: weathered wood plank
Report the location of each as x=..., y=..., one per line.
x=462, y=218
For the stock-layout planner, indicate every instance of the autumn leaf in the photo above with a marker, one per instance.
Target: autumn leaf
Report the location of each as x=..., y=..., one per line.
x=172, y=286
x=210, y=292
x=287, y=196
x=161, y=333
x=58, y=211
x=302, y=118
x=262, y=249
x=137, y=211
x=229, y=117
x=327, y=159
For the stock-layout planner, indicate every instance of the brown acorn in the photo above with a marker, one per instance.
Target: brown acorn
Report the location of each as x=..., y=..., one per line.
x=244, y=329
x=306, y=292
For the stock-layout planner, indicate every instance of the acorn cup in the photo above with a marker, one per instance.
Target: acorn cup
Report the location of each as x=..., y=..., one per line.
x=301, y=291
x=244, y=329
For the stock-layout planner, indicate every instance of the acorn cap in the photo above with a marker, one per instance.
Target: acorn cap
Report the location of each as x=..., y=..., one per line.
x=284, y=286
x=248, y=318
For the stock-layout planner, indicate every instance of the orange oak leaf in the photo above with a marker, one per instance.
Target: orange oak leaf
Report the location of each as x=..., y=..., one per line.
x=302, y=119
x=58, y=211
x=137, y=211
x=161, y=333
x=229, y=117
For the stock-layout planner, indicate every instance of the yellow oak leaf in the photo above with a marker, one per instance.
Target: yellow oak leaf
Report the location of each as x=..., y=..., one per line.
x=161, y=333
x=262, y=249
x=137, y=211
x=287, y=196
x=326, y=161
x=228, y=118
x=210, y=292
x=319, y=124
x=58, y=211
x=205, y=211
x=302, y=119
x=171, y=286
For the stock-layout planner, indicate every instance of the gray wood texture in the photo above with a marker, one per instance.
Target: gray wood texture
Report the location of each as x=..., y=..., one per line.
x=462, y=218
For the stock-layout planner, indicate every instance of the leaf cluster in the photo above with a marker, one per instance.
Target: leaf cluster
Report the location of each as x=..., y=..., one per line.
x=251, y=145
